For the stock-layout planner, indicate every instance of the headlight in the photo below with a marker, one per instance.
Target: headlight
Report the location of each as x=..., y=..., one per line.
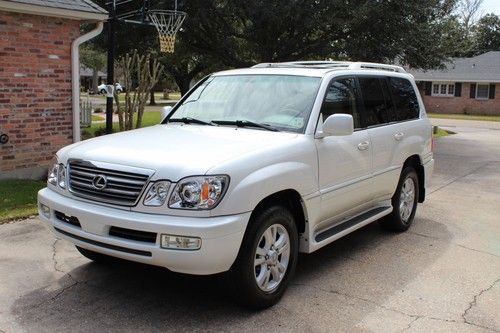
x=157, y=193
x=61, y=176
x=203, y=192
x=53, y=172
x=57, y=174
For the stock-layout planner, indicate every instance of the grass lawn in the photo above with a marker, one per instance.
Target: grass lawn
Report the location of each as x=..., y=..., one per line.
x=97, y=118
x=149, y=119
x=18, y=198
x=441, y=132
x=463, y=117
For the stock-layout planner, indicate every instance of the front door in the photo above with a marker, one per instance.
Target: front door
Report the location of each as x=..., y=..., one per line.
x=344, y=161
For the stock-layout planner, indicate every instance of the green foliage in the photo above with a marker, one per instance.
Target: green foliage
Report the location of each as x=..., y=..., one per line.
x=235, y=33
x=487, y=34
x=92, y=58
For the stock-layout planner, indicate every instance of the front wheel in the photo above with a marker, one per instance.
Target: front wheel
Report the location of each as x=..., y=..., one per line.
x=404, y=202
x=267, y=258
x=103, y=91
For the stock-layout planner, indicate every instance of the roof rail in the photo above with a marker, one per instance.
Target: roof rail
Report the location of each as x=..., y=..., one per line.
x=331, y=64
x=372, y=65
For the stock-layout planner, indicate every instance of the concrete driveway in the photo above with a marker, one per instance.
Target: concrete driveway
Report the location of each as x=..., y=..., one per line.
x=441, y=275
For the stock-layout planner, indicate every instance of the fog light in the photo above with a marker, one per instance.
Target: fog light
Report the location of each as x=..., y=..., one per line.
x=180, y=242
x=45, y=211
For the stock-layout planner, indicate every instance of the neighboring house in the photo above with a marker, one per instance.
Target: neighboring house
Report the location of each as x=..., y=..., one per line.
x=467, y=86
x=37, y=104
x=86, y=78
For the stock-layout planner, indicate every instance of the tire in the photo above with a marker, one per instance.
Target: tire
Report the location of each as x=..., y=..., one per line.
x=103, y=91
x=118, y=91
x=246, y=271
x=406, y=194
x=96, y=257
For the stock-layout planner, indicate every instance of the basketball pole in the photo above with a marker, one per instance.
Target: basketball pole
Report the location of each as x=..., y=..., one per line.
x=111, y=68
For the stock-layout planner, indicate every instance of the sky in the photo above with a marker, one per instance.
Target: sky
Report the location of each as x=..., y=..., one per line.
x=491, y=6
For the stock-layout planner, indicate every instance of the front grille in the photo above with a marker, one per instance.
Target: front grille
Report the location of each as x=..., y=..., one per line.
x=120, y=187
x=137, y=235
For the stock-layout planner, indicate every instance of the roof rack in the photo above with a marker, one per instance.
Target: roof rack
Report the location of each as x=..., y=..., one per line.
x=332, y=64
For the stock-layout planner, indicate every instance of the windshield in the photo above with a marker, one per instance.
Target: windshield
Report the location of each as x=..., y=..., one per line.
x=281, y=101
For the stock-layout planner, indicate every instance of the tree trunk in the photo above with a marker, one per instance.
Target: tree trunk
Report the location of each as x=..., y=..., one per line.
x=183, y=83
x=95, y=79
x=152, y=93
x=152, y=98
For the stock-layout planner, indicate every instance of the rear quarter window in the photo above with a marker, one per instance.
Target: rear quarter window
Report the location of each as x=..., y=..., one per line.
x=405, y=99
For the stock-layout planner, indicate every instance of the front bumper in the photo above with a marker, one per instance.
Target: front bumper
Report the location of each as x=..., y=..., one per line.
x=221, y=236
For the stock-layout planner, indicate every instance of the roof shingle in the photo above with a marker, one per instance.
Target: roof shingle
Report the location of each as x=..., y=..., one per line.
x=484, y=67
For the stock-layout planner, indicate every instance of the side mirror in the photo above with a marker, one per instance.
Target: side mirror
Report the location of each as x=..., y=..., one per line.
x=339, y=124
x=164, y=112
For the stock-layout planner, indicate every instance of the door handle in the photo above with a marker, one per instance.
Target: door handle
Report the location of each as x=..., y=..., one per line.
x=363, y=145
x=398, y=136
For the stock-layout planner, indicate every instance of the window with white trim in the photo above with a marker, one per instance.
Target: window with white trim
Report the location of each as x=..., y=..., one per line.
x=443, y=89
x=482, y=91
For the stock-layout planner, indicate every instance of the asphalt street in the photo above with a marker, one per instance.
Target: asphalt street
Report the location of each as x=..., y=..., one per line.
x=443, y=275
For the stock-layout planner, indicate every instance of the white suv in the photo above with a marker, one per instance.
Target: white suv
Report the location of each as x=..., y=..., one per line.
x=250, y=168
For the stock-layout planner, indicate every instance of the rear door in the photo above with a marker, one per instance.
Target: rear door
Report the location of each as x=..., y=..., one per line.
x=344, y=161
x=386, y=106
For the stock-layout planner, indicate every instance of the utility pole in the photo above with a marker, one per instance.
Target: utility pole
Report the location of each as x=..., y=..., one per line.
x=111, y=67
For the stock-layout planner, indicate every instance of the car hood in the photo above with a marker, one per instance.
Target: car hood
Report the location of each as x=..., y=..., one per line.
x=174, y=151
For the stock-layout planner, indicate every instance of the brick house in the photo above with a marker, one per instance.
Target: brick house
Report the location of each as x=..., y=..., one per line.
x=36, y=82
x=467, y=86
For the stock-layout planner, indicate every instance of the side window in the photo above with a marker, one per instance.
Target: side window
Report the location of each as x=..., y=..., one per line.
x=341, y=98
x=377, y=108
x=405, y=99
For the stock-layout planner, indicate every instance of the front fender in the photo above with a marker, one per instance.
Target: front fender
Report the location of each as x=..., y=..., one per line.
x=251, y=189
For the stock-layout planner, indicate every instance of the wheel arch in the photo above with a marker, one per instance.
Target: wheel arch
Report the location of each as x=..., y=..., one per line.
x=415, y=162
x=289, y=198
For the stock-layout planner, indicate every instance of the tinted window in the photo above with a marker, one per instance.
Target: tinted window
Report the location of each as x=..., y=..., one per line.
x=377, y=107
x=341, y=98
x=405, y=99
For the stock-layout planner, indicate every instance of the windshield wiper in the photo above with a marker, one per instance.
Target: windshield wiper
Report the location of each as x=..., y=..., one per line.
x=189, y=120
x=245, y=123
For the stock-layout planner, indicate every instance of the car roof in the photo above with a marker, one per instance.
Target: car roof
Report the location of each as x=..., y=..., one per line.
x=317, y=69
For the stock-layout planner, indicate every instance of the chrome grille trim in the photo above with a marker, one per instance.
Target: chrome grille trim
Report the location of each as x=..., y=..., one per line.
x=124, y=184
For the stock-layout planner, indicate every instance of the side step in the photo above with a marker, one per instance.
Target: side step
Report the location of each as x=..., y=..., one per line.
x=353, y=224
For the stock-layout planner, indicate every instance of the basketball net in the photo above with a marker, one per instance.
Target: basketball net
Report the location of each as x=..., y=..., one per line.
x=168, y=23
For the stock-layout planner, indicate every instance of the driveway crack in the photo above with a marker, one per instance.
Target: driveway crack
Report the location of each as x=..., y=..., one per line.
x=474, y=303
x=453, y=180
x=55, y=262
x=454, y=244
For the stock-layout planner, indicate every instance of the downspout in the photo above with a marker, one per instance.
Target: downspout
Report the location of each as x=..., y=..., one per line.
x=75, y=77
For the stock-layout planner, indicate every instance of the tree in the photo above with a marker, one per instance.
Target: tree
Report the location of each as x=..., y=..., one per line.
x=95, y=60
x=146, y=72
x=487, y=34
x=469, y=11
x=236, y=33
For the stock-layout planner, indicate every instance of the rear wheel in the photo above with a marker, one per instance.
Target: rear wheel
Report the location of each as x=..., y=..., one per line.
x=404, y=202
x=103, y=91
x=267, y=258
x=95, y=256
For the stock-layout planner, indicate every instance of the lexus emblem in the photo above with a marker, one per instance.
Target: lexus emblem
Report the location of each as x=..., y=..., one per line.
x=99, y=182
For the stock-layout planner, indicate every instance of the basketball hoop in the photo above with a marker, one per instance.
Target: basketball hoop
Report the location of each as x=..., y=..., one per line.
x=168, y=23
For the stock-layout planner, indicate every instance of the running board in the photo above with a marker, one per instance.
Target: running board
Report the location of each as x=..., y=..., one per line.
x=356, y=222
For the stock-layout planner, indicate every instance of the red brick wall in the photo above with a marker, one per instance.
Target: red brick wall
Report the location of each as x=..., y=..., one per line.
x=463, y=104
x=35, y=90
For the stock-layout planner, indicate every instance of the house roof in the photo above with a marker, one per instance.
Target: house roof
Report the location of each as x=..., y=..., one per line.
x=482, y=68
x=87, y=72
x=73, y=9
